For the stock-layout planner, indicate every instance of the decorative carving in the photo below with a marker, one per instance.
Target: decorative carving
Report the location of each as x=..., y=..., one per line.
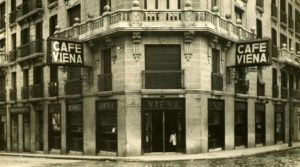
x=188, y=38
x=136, y=39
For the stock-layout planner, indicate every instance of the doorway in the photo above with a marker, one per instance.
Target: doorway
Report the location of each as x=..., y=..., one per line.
x=2, y=132
x=14, y=133
x=159, y=126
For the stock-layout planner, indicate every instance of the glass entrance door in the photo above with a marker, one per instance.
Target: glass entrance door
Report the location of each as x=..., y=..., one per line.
x=163, y=131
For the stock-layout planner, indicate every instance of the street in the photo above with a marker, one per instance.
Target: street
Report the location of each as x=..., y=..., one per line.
x=290, y=158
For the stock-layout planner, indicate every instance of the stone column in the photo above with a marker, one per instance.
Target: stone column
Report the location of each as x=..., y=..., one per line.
x=89, y=126
x=8, y=129
x=63, y=128
x=45, y=128
x=32, y=129
x=204, y=124
x=251, y=123
x=229, y=123
x=269, y=124
x=20, y=133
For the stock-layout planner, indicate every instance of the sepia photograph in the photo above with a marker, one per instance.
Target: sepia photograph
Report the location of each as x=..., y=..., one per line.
x=149, y=83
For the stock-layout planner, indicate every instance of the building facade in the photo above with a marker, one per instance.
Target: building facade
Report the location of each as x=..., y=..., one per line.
x=150, y=69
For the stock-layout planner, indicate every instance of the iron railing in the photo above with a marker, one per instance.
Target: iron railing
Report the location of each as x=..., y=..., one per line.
x=274, y=11
x=105, y=82
x=53, y=88
x=25, y=92
x=260, y=88
x=30, y=48
x=163, y=79
x=2, y=95
x=284, y=93
x=13, y=94
x=216, y=81
x=283, y=17
x=28, y=6
x=73, y=87
x=242, y=86
x=36, y=91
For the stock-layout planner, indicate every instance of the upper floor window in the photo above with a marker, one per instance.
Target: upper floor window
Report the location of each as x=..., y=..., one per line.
x=239, y=15
x=283, y=79
x=73, y=13
x=283, y=40
x=2, y=15
x=274, y=37
x=274, y=77
x=103, y=3
x=25, y=36
x=259, y=28
x=216, y=60
x=2, y=44
x=13, y=5
x=25, y=77
x=297, y=47
x=214, y=3
x=162, y=4
x=52, y=24
x=283, y=5
x=260, y=3
x=13, y=80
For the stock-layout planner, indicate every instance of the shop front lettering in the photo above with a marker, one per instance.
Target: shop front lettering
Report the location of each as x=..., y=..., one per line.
x=106, y=106
x=215, y=105
x=74, y=107
x=164, y=104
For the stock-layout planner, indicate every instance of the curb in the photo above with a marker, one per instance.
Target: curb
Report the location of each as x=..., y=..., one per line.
x=162, y=157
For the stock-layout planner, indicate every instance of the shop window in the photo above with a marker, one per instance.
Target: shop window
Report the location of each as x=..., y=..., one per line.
x=279, y=123
x=260, y=123
x=54, y=126
x=73, y=13
x=106, y=125
x=240, y=119
x=103, y=3
x=3, y=131
x=215, y=124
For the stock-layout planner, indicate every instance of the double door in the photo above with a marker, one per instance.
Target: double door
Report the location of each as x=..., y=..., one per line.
x=159, y=126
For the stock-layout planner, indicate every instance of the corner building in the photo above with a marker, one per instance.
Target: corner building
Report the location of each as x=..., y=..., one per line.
x=151, y=68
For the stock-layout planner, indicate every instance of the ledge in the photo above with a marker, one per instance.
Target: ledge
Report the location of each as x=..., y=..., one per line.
x=37, y=10
x=260, y=9
x=26, y=58
x=52, y=5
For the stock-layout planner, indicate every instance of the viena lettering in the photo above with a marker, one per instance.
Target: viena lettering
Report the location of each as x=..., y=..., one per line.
x=252, y=53
x=66, y=52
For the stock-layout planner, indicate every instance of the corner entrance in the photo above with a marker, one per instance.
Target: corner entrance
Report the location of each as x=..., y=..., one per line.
x=163, y=125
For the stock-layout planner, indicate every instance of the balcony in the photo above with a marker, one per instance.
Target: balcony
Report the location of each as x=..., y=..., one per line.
x=25, y=92
x=275, y=51
x=2, y=95
x=284, y=93
x=104, y=82
x=242, y=86
x=36, y=91
x=13, y=94
x=157, y=20
x=275, y=91
x=216, y=81
x=73, y=87
x=291, y=23
x=12, y=56
x=30, y=48
x=274, y=11
x=295, y=94
x=260, y=88
x=163, y=79
x=2, y=23
x=283, y=17
x=12, y=17
x=53, y=89
x=28, y=8
x=3, y=59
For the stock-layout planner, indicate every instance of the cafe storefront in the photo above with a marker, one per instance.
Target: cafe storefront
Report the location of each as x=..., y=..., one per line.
x=3, y=131
x=163, y=125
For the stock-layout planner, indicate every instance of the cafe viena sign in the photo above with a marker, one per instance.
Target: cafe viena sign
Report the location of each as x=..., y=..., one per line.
x=65, y=52
x=253, y=53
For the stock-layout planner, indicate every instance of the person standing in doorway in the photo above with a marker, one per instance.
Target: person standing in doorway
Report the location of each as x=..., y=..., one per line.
x=173, y=141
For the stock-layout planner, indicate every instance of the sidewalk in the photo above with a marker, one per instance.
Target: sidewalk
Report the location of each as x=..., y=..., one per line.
x=165, y=157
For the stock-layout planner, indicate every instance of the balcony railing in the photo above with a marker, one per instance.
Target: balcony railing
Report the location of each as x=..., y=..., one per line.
x=283, y=17
x=274, y=51
x=291, y=23
x=13, y=94
x=2, y=23
x=163, y=79
x=216, y=81
x=25, y=92
x=2, y=95
x=73, y=87
x=275, y=91
x=260, y=3
x=30, y=48
x=274, y=11
x=105, y=82
x=12, y=16
x=297, y=28
x=12, y=56
x=260, y=89
x=284, y=93
x=53, y=88
x=157, y=20
x=242, y=86
x=36, y=91
x=28, y=6
x=51, y=1
x=295, y=94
